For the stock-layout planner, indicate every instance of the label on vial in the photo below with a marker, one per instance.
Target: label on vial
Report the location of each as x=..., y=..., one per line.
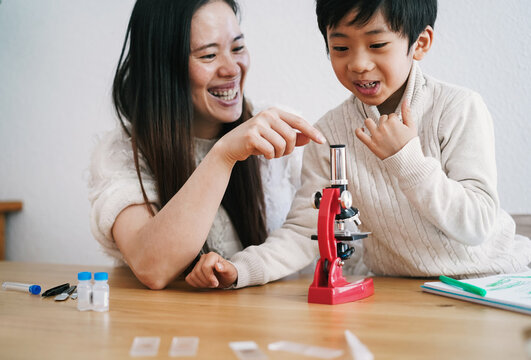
x=101, y=300
x=83, y=300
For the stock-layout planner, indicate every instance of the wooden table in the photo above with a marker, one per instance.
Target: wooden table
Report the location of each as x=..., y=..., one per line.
x=6, y=207
x=398, y=322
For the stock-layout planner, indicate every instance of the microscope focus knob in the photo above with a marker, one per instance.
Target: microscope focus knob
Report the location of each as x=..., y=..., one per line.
x=316, y=199
x=345, y=199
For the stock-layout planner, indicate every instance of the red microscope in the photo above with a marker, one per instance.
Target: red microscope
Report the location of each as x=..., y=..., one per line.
x=335, y=208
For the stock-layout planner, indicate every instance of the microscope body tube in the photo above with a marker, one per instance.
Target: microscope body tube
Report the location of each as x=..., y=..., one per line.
x=338, y=167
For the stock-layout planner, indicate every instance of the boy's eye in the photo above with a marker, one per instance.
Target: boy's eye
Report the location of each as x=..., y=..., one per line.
x=340, y=48
x=378, y=46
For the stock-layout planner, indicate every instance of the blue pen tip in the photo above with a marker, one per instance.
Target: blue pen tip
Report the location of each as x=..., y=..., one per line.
x=35, y=289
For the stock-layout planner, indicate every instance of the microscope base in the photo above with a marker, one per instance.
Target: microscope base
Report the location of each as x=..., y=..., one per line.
x=348, y=292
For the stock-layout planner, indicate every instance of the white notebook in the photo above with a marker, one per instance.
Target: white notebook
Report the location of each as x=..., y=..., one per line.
x=506, y=291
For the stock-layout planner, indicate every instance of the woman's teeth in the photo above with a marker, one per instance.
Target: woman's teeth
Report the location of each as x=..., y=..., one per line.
x=226, y=95
x=368, y=85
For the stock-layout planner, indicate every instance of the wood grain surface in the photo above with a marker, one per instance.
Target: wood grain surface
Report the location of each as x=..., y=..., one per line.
x=398, y=322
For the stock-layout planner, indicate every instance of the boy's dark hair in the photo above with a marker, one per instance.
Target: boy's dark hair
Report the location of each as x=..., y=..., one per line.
x=407, y=17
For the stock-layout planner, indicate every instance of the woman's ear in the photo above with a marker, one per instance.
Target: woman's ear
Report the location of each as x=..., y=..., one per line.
x=423, y=43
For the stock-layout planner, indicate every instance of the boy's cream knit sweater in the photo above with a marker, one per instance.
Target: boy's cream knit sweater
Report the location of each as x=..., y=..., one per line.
x=432, y=208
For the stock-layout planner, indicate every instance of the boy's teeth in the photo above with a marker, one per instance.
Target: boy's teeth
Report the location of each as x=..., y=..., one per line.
x=226, y=95
x=368, y=85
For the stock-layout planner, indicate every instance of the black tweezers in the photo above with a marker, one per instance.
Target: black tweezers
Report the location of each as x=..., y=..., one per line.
x=56, y=290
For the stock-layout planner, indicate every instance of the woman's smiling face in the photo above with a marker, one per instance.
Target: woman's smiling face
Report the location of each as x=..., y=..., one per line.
x=218, y=64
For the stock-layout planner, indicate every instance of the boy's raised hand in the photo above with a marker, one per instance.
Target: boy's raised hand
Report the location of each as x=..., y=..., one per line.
x=390, y=135
x=212, y=271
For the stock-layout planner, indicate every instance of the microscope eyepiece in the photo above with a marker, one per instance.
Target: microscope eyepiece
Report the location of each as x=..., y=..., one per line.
x=338, y=165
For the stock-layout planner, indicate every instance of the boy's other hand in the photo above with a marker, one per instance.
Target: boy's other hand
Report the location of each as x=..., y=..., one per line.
x=391, y=135
x=212, y=271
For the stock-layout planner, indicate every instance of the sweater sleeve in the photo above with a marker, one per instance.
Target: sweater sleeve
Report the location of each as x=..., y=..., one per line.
x=113, y=186
x=289, y=248
x=458, y=192
x=280, y=182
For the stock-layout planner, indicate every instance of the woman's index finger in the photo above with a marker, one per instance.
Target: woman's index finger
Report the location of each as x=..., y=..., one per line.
x=302, y=125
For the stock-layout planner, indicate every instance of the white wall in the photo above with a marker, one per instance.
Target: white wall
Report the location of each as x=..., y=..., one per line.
x=56, y=64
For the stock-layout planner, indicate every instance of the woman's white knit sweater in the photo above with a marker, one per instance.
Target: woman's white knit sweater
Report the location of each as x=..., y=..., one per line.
x=114, y=185
x=432, y=207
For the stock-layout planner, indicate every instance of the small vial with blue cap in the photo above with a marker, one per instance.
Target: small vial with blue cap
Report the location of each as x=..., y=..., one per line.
x=100, y=292
x=84, y=291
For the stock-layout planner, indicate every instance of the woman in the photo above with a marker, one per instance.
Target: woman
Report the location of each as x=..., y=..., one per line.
x=157, y=181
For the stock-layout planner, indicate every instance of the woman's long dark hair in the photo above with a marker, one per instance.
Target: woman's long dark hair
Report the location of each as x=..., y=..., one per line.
x=152, y=91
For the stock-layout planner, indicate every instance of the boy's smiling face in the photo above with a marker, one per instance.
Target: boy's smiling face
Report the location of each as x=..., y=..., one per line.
x=371, y=61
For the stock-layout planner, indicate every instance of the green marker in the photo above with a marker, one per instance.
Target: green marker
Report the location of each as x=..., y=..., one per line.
x=463, y=285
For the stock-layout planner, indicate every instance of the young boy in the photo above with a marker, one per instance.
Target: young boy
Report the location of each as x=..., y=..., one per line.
x=421, y=165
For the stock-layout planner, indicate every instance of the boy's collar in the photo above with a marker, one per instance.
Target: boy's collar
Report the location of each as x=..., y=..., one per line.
x=412, y=93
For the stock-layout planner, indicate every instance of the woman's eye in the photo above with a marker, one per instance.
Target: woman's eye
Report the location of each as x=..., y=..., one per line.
x=238, y=48
x=378, y=46
x=208, y=57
